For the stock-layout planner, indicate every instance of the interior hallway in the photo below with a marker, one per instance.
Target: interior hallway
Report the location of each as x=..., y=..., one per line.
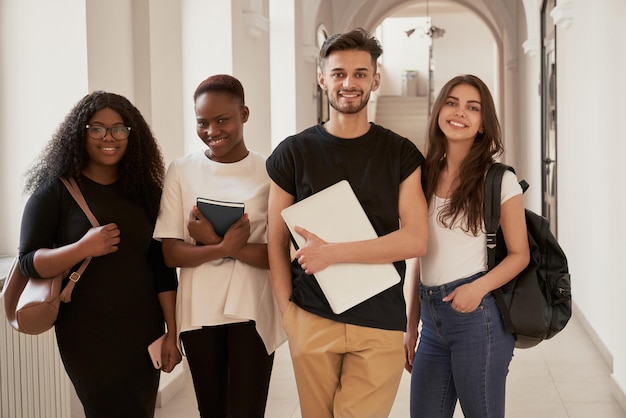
x=564, y=377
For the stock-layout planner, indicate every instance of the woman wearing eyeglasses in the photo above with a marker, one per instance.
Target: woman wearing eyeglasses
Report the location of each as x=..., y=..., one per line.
x=127, y=294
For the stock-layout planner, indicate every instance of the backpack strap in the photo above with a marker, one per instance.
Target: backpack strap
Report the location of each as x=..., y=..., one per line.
x=72, y=187
x=493, y=191
x=491, y=203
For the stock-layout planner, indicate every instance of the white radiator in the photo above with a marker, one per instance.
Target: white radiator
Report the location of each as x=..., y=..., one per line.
x=33, y=382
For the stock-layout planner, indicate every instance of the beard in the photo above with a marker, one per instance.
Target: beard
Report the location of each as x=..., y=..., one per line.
x=348, y=108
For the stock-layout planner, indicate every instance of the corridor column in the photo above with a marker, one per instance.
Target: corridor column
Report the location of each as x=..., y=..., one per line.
x=141, y=60
x=284, y=15
x=228, y=37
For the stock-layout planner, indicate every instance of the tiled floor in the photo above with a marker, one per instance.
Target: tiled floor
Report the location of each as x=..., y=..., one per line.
x=564, y=377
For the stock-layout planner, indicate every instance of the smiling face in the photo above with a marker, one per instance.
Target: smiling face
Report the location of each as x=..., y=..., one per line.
x=460, y=117
x=104, y=154
x=219, y=123
x=350, y=77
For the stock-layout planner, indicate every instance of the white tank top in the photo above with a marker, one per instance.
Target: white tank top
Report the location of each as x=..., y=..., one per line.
x=453, y=253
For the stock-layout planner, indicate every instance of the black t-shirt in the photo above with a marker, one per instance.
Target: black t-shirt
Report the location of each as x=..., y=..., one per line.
x=374, y=164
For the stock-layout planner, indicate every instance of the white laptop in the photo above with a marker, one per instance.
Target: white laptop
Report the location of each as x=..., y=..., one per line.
x=335, y=215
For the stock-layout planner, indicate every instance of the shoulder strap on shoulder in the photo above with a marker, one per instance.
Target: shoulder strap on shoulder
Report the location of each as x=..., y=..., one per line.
x=493, y=189
x=491, y=204
x=72, y=187
x=74, y=190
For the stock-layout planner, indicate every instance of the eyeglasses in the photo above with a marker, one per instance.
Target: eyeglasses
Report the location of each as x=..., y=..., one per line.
x=118, y=133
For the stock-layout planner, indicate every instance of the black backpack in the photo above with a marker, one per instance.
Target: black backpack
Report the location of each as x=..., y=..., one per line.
x=536, y=304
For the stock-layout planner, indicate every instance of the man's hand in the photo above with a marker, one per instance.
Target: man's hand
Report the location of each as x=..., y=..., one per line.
x=315, y=255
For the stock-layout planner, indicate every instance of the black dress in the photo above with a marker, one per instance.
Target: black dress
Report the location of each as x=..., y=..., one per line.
x=104, y=332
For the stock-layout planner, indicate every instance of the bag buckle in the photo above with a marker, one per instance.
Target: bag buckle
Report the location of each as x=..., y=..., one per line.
x=75, y=277
x=491, y=240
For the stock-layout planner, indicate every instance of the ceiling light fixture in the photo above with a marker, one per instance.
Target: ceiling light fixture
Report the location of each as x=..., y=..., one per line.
x=433, y=32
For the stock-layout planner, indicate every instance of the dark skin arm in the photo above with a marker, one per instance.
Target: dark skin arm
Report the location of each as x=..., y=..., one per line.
x=234, y=244
x=170, y=355
x=98, y=241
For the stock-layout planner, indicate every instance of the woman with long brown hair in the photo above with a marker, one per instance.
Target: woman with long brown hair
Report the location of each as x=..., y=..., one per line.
x=464, y=351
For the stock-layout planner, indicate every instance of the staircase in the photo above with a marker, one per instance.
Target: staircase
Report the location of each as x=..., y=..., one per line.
x=405, y=115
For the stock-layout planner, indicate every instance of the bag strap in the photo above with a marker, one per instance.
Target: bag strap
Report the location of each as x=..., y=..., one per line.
x=72, y=187
x=74, y=190
x=493, y=191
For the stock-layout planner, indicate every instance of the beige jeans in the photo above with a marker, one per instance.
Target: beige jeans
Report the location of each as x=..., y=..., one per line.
x=343, y=370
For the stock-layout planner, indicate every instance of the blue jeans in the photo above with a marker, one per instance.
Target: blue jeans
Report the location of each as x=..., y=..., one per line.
x=462, y=356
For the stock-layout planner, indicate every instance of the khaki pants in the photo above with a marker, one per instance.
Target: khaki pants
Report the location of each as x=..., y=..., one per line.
x=343, y=370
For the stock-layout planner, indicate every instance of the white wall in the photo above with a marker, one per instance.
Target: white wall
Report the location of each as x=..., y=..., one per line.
x=159, y=72
x=251, y=49
x=284, y=16
x=227, y=37
x=467, y=47
x=591, y=170
x=402, y=53
x=110, y=52
x=47, y=75
x=140, y=59
x=207, y=49
x=293, y=65
x=587, y=174
x=615, y=38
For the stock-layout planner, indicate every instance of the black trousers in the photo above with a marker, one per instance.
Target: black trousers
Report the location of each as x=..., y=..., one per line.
x=230, y=369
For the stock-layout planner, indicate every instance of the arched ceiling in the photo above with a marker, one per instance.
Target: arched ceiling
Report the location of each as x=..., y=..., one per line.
x=499, y=15
x=509, y=21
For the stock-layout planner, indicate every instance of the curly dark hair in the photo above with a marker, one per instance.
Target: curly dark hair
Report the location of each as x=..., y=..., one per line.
x=358, y=39
x=466, y=202
x=141, y=170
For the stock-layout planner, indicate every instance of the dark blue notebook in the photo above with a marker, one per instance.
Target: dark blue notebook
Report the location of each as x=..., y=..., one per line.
x=220, y=213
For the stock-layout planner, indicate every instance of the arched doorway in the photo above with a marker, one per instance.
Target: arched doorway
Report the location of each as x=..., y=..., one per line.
x=405, y=34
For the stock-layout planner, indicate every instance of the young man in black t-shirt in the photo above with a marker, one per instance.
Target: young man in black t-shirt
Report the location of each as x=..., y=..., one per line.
x=347, y=364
